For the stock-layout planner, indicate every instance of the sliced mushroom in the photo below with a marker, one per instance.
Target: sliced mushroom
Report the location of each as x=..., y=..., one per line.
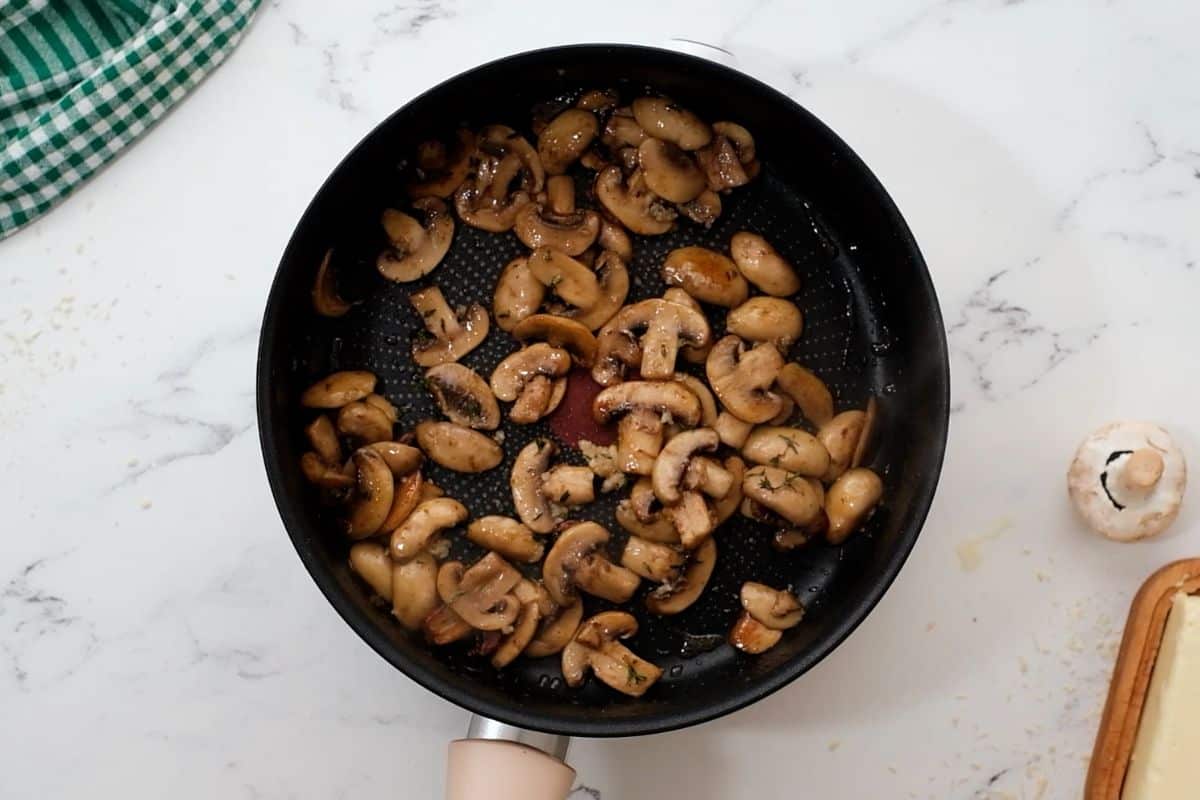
x=370, y=562
x=664, y=119
x=751, y=636
x=518, y=294
x=766, y=319
x=452, y=335
x=704, y=209
x=671, y=466
x=577, y=561
x=507, y=537
x=489, y=201
x=614, y=288
x=633, y=203
x=325, y=299
x=851, y=498
x=416, y=248
x=840, y=437
x=401, y=458
x=569, y=485
x=483, y=595
x=323, y=438
x=641, y=406
x=732, y=430
x=523, y=632
x=742, y=379
x=338, y=389
x=569, y=334
x=440, y=172
x=525, y=379
x=762, y=265
x=670, y=172
x=597, y=100
x=722, y=165
x=613, y=237
x=426, y=521
x=405, y=498
x=443, y=626
x=870, y=422
x=775, y=608
x=706, y=275
x=374, y=486
x=792, y=449
x=555, y=632
x=596, y=648
x=693, y=355
x=528, y=591
x=530, y=502
x=642, y=515
x=325, y=475
x=569, y=233
x=651, y=333
x=788, y=494
x=693, y=519
x=622, y=130
x=567, y=278
x=708, y=405
x=457, y=447
x=414, y=590
x=364, y=422
x=463, y=396
x=808, y=391
x=708, y=476
x=741, y=139
x=725, y=506
x=652, y=560
x=564, y=139
x=674, y=597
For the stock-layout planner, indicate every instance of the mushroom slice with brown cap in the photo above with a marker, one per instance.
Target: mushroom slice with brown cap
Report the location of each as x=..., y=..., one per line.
x=792, y=449
x=739, y=137
x=622, y=130
x=706, y=275
x=708, y=476
x=613, y=237
x=401, y=458
x=693, y=518
x=642, y=515
x=463, y=396
x=458, y=447
x=732, y=431
x=522, y=634
x=525, y=379
x=451, y=334
x=555, y=631
x=840, y=437
x=484, y=202
x=325, y=299
x=507, y=537
x=414, y=590
x=762, y=265
x=708, y=405
x=672, y=463
x=632, y=202
x=722, y=166
x=751, y=636
x=614, y=288
x=596, y=648
x=530, y=502
x=742, y=379
x=501, y=140
x=577, y=561
x=693, y=355
x=808, y=391
x=598, y=100
x=565, y=138
x=338, y=389
x=528, y=591
x=670, y=173
x=426, y=521
x=569, y=485
x=674, y=597
x=405, y=498
x=483, y=597
x=323, y=474
x=364, y=422
x=1127, y=480
x=704, y=209
x=374, y=486
x=369, y=560
x=518, y=294
x=849, y=501
x=766, y=319
x=775, y=608
x=654, y=561
x=443, y=626
x=664, y=119
x=570, y=233
x=641, y=406
x=567, y=278
x=569, y=334
x=659, y=328
x=724, y=507
x=416, y=248
x=323, y=438
x=788, y=494
x=441, y=171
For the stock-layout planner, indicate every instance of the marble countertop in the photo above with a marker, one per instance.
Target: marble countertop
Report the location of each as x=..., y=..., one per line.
x=157, y=632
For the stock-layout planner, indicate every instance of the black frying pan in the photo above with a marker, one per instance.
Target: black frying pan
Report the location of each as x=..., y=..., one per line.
x=872, y=327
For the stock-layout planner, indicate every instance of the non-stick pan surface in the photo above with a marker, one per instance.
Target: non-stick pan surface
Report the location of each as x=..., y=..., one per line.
x=872, y=327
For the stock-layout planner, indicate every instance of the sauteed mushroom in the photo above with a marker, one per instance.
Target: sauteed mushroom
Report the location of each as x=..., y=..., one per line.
x=571, y=335
x=676, y=596
x=554, y=632
x=503, y=157
x=338, y=389
x=518, y=294
x=596, y=648
x=641, y=406
x=441, y=171
x=649, y=332
x=452, y=335
x=325, y=298
x=788, y=494
x=706, y=275
x=565, y=138
x=851, y=498
x=703, y=209
x=633, y=203
x=663, y=119
x=414, y=590
x=840, y=437
x=742, y=379
x=557, y=224
x=365, y=422
x=775, y=608
x=416, y=248
x=614, y=287
x=670, y=173
x=457, y=447
x=641, y=515
x=564, y=276
x=578, y=561
x=526, y=379
x=751, y=636
x=792, y=449
x=507, y=537
x=483, y=596
x=425, y=522
x=808, y=391
x=531, y=503
x=762, y=265
x=374, y=486
x=766, y=319
x=523, y=632
x=463, y=396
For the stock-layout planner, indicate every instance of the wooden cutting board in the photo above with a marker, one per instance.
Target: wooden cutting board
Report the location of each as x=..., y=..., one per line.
x=1131, y=676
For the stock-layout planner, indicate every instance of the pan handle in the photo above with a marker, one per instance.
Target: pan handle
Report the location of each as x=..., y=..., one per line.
x=503, y=762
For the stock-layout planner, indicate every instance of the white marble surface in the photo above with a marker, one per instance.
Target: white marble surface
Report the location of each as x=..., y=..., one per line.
x=157, y=632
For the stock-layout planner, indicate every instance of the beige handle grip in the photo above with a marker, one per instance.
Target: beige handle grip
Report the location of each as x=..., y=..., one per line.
x=484, y=769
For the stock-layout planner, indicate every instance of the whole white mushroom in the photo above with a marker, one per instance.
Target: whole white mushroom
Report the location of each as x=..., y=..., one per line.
x=1127, y=480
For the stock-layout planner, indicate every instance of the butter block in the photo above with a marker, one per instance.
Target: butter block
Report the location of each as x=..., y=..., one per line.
x=1166, y=754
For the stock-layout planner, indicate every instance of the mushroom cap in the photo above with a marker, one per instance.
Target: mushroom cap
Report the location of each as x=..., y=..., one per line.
x=762, y=265
x=672, y=461
x=706, y=275
x=505, y=536
x=790, y=495
x=457, y=447
x=614, y=288
x=766, y=319
x=452, y=172
x=415, y=249
x=569, y=334
x=742, y=378
x=554, y=632
x=657, y=396
x=570, y=233
x=511, y=374
x=632, y=202
x=1114, y=496
x=663, y=119
x=518, y=294
x=463, y=396
x=676, y=597
x=650, y=333
x=571, y=280
x=526, y=483
x=565, y=137
x=670, y=172
x=573, y=545
x=426, y=521
x=339, y=388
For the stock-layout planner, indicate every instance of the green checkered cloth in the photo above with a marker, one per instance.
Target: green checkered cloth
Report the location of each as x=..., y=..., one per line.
x=80, y=80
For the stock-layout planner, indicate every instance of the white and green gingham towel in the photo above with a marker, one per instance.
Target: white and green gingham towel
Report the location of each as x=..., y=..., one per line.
x=82, y=79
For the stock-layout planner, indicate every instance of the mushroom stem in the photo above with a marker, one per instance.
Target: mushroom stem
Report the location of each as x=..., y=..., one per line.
x=1143, y=469
x=435, y=313
x=639, y=440
x=560, y=194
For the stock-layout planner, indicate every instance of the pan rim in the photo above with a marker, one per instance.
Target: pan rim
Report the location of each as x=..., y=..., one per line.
x=513, y=712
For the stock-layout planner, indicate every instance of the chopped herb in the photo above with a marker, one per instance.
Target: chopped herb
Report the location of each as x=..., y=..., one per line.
x=765, y=483
x=775, y=459
x=556, y=280
x=633, y=678
x=503, y=315
x=789, y=443
x=563, y=498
